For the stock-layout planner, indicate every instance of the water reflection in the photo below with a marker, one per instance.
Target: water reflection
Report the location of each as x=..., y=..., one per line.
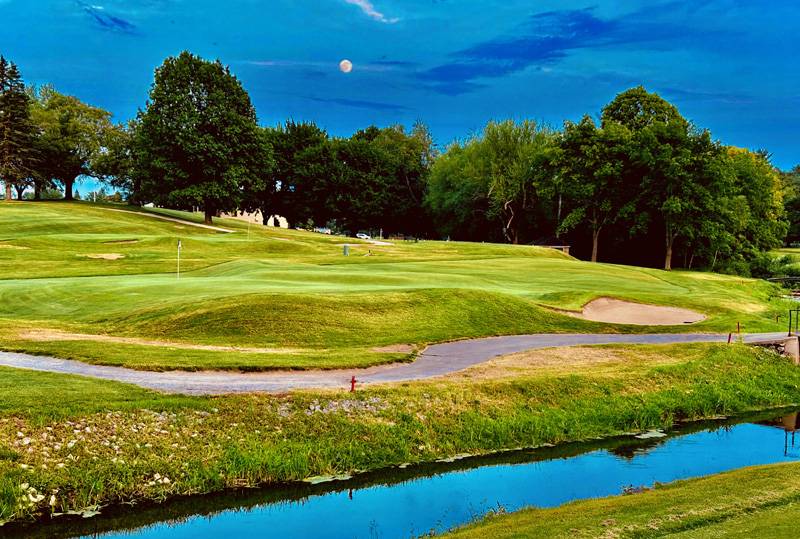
x=790, y=423
x=412, y=501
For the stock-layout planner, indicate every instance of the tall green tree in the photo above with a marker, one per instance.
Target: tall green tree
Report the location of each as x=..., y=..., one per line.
x=679, y=183
x=790, y=181
x=71, y=136
x=285, y=191
x=499, y=173
x=760, y=184
x=596, y=176
x=198, y=142
x=16, y=130
x=457, y=199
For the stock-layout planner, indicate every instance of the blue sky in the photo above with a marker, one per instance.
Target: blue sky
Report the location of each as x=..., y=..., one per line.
x=730, y=65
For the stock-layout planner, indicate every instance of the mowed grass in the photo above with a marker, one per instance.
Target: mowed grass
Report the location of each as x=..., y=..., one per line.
x=94, y=442
x=296, y=294
x=747, y=503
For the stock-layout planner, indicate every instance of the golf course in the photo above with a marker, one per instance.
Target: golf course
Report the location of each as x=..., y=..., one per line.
x=99, y=285
x=259, y=298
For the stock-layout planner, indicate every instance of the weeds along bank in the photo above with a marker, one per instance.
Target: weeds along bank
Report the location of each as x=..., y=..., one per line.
x=69, y=443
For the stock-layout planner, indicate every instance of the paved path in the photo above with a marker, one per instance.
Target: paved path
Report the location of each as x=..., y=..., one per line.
x=436, y=360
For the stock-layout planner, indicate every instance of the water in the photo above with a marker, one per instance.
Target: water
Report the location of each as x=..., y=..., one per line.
x=410, y=502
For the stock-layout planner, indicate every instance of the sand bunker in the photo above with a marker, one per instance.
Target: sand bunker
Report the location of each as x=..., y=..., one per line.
x=56, y=335
x=614, y=311
x=105, y=256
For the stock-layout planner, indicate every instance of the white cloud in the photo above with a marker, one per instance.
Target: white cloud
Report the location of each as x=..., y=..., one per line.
x=370, y=11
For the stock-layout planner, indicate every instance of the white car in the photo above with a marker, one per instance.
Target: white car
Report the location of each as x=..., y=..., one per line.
x=363, y=236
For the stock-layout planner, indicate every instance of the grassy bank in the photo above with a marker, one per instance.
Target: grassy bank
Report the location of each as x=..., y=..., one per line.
x=78, y=443
x=752, y=502
x=75, y=269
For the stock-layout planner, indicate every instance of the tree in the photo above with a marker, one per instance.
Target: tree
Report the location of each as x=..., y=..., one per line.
x=673, y=161
x=402, y=166
x=636, y=109
x=499, y=174
x=759, y=183
x=681, y=182
x=373, y=180
x=198, y=142
x=791, y=189
x=71, y=136
x=596, y=176
x=284, y=193
x=114, y=163
x=16, y=130
x=457, y=200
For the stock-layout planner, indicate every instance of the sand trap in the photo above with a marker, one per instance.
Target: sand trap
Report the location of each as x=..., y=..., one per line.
x=56, y=335
x=105, y=256
x=9, y=246
x=614, y=311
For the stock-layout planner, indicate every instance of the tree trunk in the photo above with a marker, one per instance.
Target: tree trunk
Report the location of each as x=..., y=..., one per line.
x=595, y=241
x=208, y=214
x=37, y=190
x=8, y=191
x=20, y=191
x=265, y=216
x=668, y=257
x=68, y=184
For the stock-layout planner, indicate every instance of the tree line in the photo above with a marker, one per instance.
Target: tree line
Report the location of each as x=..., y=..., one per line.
x=640, y=184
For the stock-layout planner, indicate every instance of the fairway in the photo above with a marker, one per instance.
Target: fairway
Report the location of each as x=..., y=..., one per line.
x=264, y=298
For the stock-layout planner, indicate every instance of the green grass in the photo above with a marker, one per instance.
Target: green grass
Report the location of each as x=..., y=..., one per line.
x=98, y=442
x=293, y=291
x=752, y=502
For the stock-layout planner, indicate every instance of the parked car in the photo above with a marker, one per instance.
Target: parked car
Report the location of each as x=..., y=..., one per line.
x=363, y=236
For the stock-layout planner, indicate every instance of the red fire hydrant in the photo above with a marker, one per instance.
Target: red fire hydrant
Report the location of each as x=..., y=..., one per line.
x=353, y=384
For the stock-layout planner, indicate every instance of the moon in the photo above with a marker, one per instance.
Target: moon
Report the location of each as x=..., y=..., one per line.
x=345, y=66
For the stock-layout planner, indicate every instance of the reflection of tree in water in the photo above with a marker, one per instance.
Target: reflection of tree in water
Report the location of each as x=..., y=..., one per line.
x=790, y=424
x=631, y=450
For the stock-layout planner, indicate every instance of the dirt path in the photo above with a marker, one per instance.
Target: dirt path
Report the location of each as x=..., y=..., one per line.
x=436, y=360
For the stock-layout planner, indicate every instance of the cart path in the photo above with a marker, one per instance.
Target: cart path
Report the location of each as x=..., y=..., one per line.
x=436, y=360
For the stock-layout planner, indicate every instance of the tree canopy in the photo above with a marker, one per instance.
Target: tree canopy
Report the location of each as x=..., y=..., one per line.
x=198, y=142
x=71, y=136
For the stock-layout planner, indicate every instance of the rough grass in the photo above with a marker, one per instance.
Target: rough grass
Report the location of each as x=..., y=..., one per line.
x=97, y=442
x=751, y=502
x=266, y=287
